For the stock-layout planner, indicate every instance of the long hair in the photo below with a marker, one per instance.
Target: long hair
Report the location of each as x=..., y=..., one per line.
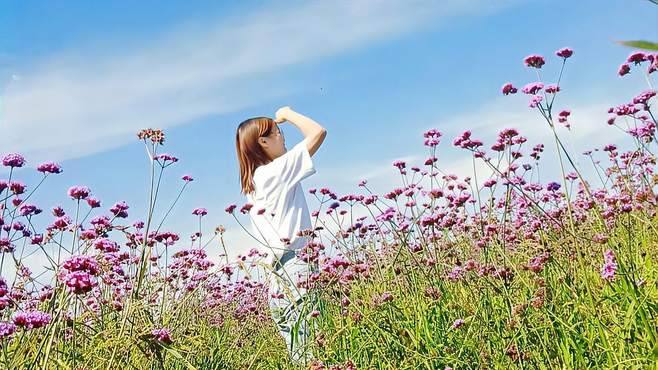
x=250, y=153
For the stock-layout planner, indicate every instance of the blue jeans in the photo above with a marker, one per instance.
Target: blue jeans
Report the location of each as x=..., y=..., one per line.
x=291, y=312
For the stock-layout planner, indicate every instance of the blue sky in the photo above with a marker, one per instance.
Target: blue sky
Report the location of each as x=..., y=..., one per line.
x=79, y=79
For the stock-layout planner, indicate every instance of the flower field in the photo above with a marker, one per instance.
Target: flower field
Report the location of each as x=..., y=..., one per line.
x=504, y=269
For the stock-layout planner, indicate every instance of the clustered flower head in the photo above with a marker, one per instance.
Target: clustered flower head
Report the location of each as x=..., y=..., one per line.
x=7, y=329
x=13, y=160
x=432, y=137
x=457, y=324
x=119, y=209
x=532, y=88
x=79, y=192
x=78, y=273
x=534, y=61
x=162, y=335
x=164, y=157
x=28, y=210
x=636, y=59
x=609, y=268
x=49, y=167
x=156, y=136
x=508, y=88
x=200, y=212
x=564, y=53
x=32, y=319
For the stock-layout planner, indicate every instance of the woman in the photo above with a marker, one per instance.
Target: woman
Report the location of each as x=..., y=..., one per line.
x=271, y=180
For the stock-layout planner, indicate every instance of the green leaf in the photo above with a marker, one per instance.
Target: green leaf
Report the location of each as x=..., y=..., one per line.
x=640, y=44
x=180, y=357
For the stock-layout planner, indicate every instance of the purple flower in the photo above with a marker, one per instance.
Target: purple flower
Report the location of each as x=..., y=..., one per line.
x=13, y=160
x=119, y=210
x=230, y=208
x=609, y=268
x=535, y=101
x=552, y=186
x=200, y=212
x=82, y=263
x=6, y=245
x=432, y=137
x=93, y=202
x=79, y=282
x=61, y=223
x=79, y=192
x=17, y=187
x=564, y=53
x=508, y=89
x=532, y=88
x=637, y=58
x=457, y=324
x=106, y=245
x=7, y=329
x=58, y=211
x=28, y=210
x=162, y=335
x=552, y=89
x=49, y=167
x=624, y=69
x=187, y=178
x=534, y=61
x=165, y=158
x=643, y=98
x=37, y=239
x=32, y=319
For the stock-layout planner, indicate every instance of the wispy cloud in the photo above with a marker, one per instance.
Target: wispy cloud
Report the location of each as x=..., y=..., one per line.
x=81, y=102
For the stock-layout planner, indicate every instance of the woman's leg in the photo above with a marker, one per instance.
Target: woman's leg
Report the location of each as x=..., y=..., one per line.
x=290, y=313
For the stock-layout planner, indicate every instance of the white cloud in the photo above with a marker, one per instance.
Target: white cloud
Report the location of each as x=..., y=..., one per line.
x=82, y=102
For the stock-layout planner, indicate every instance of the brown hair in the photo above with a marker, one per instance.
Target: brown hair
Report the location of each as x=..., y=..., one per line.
x=250, y=153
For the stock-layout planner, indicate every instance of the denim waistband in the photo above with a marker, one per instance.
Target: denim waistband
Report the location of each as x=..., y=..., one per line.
x=287, y=255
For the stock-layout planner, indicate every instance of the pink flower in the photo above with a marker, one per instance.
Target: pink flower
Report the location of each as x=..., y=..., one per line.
x=7, y=329
x=564, y=53
x=200, y=212
x=552, y=89
x=246, y=207
x=79, y=282
x=637, y=58
x=535, y=101
x=17, y=187
x=119, y=209
x=49, y=167
x=457, y=324
x=79, y=192
x=609, y=268
x=624, y=69
x=162, y=335
x=508, y=89
x=532, y=88
x=93, y=202
x=32, y=319
x=230, y=208
x=13, y=160
x=534, y=61
x=165, y=158
x=187, y=178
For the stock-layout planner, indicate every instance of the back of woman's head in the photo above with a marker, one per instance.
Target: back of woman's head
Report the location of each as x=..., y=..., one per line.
x=250, y=153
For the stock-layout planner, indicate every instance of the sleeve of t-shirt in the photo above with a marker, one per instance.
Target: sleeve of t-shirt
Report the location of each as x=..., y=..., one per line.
x=294, y=165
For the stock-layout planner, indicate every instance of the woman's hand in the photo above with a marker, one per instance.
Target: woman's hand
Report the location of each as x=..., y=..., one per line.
x=281, y=114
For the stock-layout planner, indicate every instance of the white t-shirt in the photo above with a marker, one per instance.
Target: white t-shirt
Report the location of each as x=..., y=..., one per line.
x=278, y=189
